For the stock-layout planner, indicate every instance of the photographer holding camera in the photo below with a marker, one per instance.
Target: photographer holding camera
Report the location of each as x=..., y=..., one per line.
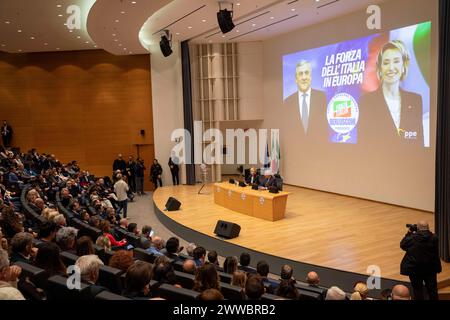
x=421, y=261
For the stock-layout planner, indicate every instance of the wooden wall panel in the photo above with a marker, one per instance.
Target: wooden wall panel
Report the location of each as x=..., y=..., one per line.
x=82, y=105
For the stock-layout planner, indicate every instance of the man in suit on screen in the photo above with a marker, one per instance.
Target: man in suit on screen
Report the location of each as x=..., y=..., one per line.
x=310, y=103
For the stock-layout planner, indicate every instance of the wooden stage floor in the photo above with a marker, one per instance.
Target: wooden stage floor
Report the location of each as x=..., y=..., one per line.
x=319, y=228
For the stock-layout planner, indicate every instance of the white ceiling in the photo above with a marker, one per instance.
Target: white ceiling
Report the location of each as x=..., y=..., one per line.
x=42, y=26
x=133, y=26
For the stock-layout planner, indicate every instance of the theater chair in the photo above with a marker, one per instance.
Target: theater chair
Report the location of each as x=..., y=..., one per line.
x=111, y=278
x=186, y=280
x=231, y=292
x=320, y=290
x=171, y=292
x=178, y=266
x=309, y=295
x=57, y=290
x=36, y=275
x=268, y=297
x=225, y=277
x=109, y=296
x=104, y=255
x=141, y=254
x=68, y=258
x=133, y=239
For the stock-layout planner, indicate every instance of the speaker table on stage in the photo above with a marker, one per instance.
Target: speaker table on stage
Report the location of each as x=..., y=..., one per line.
x=256, y=203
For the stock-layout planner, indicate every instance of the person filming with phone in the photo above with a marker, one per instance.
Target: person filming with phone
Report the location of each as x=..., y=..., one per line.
x=421, y=261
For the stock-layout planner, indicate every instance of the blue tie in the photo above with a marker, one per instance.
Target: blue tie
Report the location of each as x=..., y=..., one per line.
x=305, y=114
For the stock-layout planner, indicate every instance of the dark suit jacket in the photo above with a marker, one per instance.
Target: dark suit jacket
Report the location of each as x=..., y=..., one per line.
x=248, y=179
x=377, y=127
x=317, y=123
x=422, y=254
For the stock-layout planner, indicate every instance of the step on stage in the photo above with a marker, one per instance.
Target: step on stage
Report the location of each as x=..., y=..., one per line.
x=338, y=236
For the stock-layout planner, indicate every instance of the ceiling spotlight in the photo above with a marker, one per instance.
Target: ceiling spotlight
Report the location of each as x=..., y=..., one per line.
x=19, y=30
x=7, y=22
x=32, y=38
x=57, y=48
x=133, y=2
x=225, y=19
x=45, y=44
x=78, y=37
x=166, y=43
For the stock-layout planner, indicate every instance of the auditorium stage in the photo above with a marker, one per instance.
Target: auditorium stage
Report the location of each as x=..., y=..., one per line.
x=320, y=231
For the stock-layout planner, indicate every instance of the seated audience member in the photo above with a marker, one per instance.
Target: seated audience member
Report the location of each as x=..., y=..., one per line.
x=137, y=281
x=172, y=249
x=230, y=265
x=90, y=269
x=400, y=292
x=22, y=248
x=287, y=290
x=254, y=288
x=189, y=266
x=66, y=197
x=253, y=178
x=286, y=272
x=47, y=232
x=94, y=221
x=360, y=292
x=163, y=272
x=9, y=274
x=66, y=238
x=38, y=205
x=133, y=228
x=262, y=268
x=147, y=232
x=157, y=245
x=206, y=278
x=213, y=259
x=386, y=294
x=11, y=222
x=122, y=259
x=190, y=249
x=312, y=279
x=84, y=216
x=335, y=293
x=199, y=256
x=239, y=279
x=211, y=295
x=103, y=242
x=49, y=214
x=85, y=246
x=8, y=292
x=49, y=259
x=244, y=261
x=60, y=220
x=106, y=229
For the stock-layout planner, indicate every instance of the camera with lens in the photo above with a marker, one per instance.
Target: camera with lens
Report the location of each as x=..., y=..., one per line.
x=411, y=227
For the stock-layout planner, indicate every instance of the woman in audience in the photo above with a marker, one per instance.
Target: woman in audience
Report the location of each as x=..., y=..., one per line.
x=85, y=246
x=206, y=278
x=11, y=222
x=85, y=216
x=287, y=289
x=122, y=259
x=239, y=279
x=230, y=265
x=137, y=281
x=360, y=292
x=106, y=229
x=163, y=272
x=48, y=258
x=103, y=242
x=211, y=295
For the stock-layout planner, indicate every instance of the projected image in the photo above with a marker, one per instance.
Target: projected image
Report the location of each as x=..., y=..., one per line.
x=367, y=90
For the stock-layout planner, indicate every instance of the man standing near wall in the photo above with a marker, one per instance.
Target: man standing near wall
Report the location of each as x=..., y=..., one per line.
x=6, y=134
x=121, y=189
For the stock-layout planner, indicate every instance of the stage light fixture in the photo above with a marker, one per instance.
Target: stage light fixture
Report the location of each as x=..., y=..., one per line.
x=225, y=18
x=166, y=43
